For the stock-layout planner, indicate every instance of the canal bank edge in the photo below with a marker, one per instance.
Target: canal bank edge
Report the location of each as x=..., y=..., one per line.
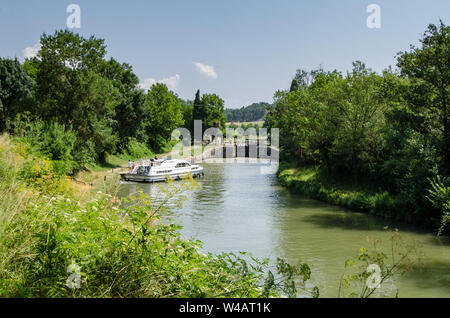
x=304, y=181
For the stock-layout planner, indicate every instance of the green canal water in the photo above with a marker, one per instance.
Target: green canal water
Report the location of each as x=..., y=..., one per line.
x=240, y=209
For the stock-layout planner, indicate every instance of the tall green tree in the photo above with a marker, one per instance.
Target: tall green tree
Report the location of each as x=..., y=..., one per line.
x=129, y=113
x=428, y=67
x=198, y=112
x=187, y=108
x=15, y=87
x=67, y=59
x=360, y=108
x=163, y=115
x=213, y=106
x=72, y=90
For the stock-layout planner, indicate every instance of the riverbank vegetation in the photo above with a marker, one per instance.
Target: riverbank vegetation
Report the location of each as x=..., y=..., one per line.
x=70, y=109
x=376, y=142
x=55, y=244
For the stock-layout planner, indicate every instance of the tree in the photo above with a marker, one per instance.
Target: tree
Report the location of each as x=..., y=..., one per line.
x=66, y=59
x=428, y=68
x=360, y=110
x=15, y=86
x=129, y=112
x=303, y=79
x=253, y=112
x=294, y=86
x=198, y=112
x=214, y=111
x=130, y=116
x=187, y=108
x=163, y=115
x=73, y=88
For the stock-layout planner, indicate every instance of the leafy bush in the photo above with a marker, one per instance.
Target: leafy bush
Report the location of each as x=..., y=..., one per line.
x=137, y=150
x=121, y=252
x=40, y=174
x=51, y=140
x=169, y=146
x=439, y=196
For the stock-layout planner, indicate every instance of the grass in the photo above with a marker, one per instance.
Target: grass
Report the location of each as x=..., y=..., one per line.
x=112, y=162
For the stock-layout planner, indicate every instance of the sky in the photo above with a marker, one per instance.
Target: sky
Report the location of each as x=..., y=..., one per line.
x=242, y=50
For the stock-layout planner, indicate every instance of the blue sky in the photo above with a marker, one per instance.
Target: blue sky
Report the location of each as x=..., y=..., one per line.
x=252, y=47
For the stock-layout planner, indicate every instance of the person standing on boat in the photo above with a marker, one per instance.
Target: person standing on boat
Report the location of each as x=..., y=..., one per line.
x=130, y=164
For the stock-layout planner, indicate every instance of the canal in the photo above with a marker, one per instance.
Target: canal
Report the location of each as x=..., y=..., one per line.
x=240, y=209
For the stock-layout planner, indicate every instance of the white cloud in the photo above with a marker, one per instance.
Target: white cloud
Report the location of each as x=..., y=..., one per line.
x=206, y=70
x=31, y=51
x=171, y=82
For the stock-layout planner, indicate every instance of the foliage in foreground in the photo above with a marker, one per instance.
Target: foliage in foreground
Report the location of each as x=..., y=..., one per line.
x=439, y=196
x=48, y=238
x=372, y=271
x=54, y=245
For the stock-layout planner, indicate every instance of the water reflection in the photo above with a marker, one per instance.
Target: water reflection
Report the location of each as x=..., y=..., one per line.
x=239, y=209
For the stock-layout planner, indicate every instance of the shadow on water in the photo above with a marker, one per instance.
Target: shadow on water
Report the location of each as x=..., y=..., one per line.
x=433, y=274
x=347, y=221
x=327, y=216
x=439, y=241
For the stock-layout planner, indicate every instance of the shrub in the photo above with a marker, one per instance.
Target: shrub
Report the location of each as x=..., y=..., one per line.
x=51, y=140
x=122, y=252
x=439, y=196
x=137, y=150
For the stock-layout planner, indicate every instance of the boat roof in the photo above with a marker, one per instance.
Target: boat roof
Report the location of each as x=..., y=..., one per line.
x=173, y=162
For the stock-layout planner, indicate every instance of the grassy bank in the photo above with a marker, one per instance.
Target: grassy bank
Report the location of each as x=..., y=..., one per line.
x=314, y=183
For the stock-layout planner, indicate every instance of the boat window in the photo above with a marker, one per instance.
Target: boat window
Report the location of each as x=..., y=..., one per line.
x=181, y=165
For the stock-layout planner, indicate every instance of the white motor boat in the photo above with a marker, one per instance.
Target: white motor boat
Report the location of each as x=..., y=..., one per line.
x=163, y=170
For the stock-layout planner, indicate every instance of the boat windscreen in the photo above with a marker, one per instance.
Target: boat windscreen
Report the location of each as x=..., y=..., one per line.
x=144, y=170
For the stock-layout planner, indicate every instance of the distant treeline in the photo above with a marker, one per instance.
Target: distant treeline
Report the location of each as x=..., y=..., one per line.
x=254, y=112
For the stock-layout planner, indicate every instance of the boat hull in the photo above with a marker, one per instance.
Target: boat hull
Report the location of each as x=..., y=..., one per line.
x=130, y=177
